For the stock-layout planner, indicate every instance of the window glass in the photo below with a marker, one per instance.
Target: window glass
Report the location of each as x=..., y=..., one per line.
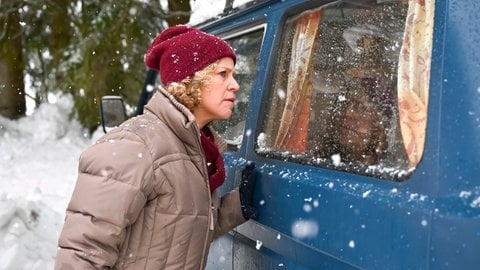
x=247, y=47
x=334, y=99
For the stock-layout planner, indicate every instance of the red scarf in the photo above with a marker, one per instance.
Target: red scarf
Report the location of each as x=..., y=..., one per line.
x=215, y=165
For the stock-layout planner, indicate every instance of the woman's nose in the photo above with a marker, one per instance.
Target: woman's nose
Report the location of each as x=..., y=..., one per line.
x=234, y=86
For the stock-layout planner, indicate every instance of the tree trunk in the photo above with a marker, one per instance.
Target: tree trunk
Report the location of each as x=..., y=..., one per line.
x=179, y=12
x=61, y=35
x=12, y=64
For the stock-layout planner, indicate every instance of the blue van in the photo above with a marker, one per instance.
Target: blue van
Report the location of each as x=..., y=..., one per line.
x=363, y=118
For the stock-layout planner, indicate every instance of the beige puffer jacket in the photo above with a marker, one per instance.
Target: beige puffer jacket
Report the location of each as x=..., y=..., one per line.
x=142, y=198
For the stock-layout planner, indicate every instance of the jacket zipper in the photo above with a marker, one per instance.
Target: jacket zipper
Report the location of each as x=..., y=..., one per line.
x=211, y=219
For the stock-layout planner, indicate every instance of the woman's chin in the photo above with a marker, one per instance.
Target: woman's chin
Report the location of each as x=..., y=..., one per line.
x=227, y=115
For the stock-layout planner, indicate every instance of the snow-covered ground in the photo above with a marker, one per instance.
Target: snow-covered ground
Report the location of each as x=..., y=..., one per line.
x=38, y=165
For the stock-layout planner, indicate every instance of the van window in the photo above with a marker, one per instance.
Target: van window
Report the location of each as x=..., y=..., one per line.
x=342, y=74
x=247, y=48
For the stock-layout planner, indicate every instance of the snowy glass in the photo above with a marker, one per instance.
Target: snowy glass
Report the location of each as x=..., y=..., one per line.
x=333, y=102
x=247, y=47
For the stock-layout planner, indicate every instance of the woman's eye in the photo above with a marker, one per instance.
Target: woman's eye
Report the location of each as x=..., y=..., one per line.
x=223, y=73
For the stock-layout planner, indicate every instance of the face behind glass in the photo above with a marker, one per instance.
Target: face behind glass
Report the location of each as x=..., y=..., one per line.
x=358, y=125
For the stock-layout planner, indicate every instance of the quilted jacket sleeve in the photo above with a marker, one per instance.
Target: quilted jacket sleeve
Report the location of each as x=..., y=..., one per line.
x=108, y=197
x=229, y=212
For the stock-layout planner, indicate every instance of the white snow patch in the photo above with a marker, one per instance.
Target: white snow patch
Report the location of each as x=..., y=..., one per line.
x=304, y=229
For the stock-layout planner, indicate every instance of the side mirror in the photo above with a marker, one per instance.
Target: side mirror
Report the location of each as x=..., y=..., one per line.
x=112, y=112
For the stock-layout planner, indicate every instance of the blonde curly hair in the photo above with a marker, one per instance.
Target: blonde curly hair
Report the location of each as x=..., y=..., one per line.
x=189, y=91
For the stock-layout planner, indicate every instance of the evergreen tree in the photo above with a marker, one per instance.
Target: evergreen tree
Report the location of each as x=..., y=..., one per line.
x=87, y=48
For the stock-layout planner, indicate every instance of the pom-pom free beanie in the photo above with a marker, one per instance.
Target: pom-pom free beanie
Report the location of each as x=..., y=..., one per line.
x=180, y=51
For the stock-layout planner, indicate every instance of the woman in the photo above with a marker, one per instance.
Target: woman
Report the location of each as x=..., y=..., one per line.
x=145, y=197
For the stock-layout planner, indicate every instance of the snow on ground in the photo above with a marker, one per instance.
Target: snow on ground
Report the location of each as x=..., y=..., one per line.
x=38, y=168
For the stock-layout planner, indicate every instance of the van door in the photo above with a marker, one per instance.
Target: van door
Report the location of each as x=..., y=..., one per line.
x=329, y=141
x=247, y=42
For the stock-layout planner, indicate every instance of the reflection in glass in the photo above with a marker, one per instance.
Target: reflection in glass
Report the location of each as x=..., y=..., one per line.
x=247, y=48
x=333, y=101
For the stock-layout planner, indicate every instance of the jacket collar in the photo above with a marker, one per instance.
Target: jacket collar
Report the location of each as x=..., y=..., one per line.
x=177, y=117
x=181, y=120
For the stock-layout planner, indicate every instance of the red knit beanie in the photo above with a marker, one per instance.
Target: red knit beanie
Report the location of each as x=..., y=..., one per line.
x=180, y=51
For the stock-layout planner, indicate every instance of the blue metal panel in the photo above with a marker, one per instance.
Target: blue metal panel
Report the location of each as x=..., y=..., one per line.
x=460, y=115
x=456, y=224
x=352, y=219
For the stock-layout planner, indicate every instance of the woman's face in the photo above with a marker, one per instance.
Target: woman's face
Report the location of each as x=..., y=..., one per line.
x=218, y=95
